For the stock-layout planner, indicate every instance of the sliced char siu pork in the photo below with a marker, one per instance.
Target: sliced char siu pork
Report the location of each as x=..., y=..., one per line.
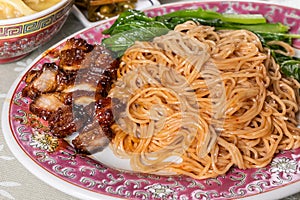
x=97, y=72
x=53, y=77
x=96, y=135
x=71, y=96
x=63, y=117
x=92, y=139
x=73, y=53
x=48, y=79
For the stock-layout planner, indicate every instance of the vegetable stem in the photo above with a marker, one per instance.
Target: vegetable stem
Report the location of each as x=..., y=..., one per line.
x=208, y=14
x=244, y=18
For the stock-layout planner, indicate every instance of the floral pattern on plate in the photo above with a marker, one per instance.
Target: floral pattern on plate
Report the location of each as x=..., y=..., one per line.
x=58, y=159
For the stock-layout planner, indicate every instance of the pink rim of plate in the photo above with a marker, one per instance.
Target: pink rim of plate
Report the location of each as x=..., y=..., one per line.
x=88, y=179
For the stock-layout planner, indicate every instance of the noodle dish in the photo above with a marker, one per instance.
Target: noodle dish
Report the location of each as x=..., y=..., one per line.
x=186, y=93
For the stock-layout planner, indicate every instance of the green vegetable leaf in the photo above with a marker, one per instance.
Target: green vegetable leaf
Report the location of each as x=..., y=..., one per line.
x=130, y=25
x=291, y=68
x=134, y=25
x=118, y=43
x=125, y=17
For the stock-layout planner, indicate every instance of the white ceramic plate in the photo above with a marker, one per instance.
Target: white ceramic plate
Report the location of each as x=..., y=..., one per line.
x=86, y=178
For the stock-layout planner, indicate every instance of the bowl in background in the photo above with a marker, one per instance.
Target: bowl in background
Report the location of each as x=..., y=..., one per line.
x=20, y=36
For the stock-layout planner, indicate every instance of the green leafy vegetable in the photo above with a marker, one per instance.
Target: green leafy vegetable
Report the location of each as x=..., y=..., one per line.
x=132, y=21
x=134, y=25
x=119, y=42
x=128, y=17
x=266, y=37
x=208, y=14
x=290, y=66
x=219, y=24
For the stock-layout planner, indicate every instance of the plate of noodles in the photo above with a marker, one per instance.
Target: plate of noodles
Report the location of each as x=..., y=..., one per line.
x=189, y=100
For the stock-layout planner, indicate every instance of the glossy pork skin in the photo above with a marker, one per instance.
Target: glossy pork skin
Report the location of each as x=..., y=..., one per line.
x=71, y=95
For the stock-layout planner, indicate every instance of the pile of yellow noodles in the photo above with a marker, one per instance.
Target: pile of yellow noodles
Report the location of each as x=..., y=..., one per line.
x=198, y=101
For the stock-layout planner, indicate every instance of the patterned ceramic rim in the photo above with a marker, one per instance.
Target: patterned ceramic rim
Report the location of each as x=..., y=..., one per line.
x=85, y=178
x=34, y=25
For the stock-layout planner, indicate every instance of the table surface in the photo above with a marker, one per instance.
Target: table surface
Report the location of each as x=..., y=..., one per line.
x=15, y=181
